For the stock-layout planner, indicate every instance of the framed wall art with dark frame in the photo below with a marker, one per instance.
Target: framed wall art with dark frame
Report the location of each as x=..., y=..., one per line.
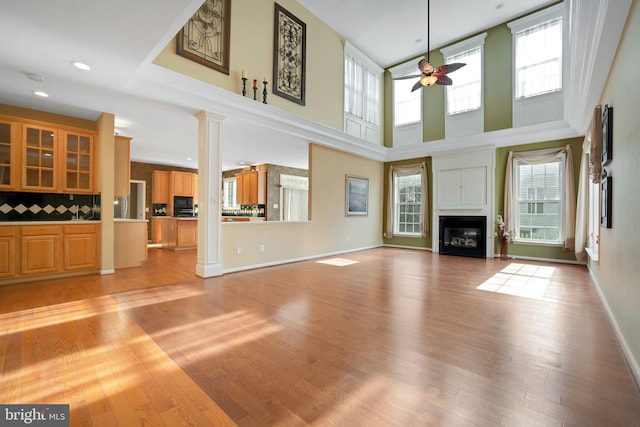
x=205, y=37
x=606, y=201
x=289, y=50
x=357, y=191
x=607, y=134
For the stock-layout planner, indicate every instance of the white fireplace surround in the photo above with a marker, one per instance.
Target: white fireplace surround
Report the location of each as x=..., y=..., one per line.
x=464, y=185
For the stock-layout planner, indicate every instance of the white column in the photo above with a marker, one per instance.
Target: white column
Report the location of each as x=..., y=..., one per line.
x=209, y=259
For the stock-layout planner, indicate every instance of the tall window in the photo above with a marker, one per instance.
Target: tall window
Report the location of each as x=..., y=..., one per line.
x=408, y=201
x=538, y=59
x=537, y=67
x=464, y=97
x=407, y=105
x=229, y=192
x=538, y=217
x=362, y=95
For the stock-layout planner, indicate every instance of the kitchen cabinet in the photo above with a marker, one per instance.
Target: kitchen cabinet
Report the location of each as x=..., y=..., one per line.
x=9, y=154
x=250, y=188
x=156, y=229
x=78, y=161
x=80, y=247
x=182, y=183
x=40, y=155
x=40, y=250
x=160, y=187
x=130, y=242
x=8, y=249
x=179, y=233
x=122, y=185
x=46, y=158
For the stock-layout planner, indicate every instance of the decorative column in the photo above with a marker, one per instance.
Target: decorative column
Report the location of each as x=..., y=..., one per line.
x=209, y=258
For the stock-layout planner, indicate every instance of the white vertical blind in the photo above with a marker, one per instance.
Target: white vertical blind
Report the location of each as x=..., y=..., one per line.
x=361, y=91
x=465, y=94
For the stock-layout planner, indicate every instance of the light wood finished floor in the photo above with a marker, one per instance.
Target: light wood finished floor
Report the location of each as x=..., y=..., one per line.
x=383, y=337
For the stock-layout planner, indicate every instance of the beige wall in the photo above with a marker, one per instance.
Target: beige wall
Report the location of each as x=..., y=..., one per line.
x=329, y=230
x=252, y=50
x=618, y=271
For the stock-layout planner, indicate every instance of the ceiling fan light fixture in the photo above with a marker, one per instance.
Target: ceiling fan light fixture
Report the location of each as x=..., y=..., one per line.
x=428, y=81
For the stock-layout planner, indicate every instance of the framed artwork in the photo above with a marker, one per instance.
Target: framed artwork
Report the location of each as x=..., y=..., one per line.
x=357, y=191
x=606, y=201
x=205, y=37
x=607, y=134
x=289, y=48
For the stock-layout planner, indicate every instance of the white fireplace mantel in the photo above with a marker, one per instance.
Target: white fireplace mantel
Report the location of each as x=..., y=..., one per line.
x=464, y=184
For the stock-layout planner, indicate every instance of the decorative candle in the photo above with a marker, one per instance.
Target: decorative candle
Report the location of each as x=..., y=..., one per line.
x=244, y=74
x=264, y=80
x=255, y=83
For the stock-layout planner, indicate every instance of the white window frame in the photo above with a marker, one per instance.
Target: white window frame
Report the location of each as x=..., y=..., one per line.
x=396, y=207
x=472, y=121
x=356, y=124
x=225, y=182
x=409, y=133
x=544, y=107
x=561, y=207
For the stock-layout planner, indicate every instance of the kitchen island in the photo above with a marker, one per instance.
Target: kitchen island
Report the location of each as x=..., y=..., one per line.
x=130, y=242
x=179, y=233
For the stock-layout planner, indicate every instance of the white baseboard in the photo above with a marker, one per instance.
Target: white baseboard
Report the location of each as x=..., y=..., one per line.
x=288, y=261
x=632, y=361
x=408, y=247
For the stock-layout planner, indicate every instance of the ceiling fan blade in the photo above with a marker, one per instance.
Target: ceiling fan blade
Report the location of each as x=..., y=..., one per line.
x=444, y=80
x=413, y=76
x=416, y=86
x=449, y=68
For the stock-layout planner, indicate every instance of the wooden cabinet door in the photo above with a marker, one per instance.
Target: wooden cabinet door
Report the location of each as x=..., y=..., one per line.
x=40, y=250
x=182, y=183
x=247, y=188
x=187, y=234
x=156, y=229
x=80, y=247
x=160, y=184
x=39, y=158
x=8, y=248
x=9, y=154
x=122, y=186
x=78, y=161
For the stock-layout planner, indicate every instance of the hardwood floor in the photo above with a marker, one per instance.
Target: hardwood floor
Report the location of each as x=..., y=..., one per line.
x=383, y=337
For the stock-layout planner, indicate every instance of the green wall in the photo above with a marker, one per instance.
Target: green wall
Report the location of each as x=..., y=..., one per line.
x=414, y=242
x=535, y=251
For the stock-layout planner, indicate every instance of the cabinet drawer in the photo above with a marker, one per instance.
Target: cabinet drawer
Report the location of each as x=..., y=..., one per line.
x=40, y=230
x=8, y=231
x=79, y=229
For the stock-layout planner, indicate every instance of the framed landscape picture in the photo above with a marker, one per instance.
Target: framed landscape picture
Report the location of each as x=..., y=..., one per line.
x=607, y=134
x=205, y=37
x=357, y=190
x=289, y=50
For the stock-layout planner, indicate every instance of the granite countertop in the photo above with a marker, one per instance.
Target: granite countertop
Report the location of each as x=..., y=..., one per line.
x=72, y=221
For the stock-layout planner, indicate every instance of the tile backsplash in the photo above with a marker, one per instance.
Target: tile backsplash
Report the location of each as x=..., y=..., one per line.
x=18, y=206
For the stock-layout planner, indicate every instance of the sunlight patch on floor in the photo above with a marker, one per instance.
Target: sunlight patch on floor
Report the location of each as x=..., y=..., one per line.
x=338, y=262
x=522, y=280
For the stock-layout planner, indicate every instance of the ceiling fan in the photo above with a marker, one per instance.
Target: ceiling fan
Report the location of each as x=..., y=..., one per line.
x=431, y=75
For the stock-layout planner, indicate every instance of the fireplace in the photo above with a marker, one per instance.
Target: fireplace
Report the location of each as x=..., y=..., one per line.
x=463, y=236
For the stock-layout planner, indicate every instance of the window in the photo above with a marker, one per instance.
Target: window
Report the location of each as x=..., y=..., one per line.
x=407, y=105
x=540, y=196
x=464, y=97
x=229, y=192
x=537, y=68
x=362, y=95
x=408, y=202
x=538, y=217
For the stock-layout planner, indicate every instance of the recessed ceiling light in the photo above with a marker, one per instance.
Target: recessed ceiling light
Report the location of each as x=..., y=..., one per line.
x=189, y=158
x=81, y=65
x=41, y=93
x=499, y=6
x=35, y=77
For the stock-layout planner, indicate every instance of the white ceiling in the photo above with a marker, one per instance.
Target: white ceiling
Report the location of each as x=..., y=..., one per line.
x=119, y=38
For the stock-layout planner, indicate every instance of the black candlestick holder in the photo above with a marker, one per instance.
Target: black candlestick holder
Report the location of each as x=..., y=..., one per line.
x=255, y=93
x=244, y=86
x=264, y=92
